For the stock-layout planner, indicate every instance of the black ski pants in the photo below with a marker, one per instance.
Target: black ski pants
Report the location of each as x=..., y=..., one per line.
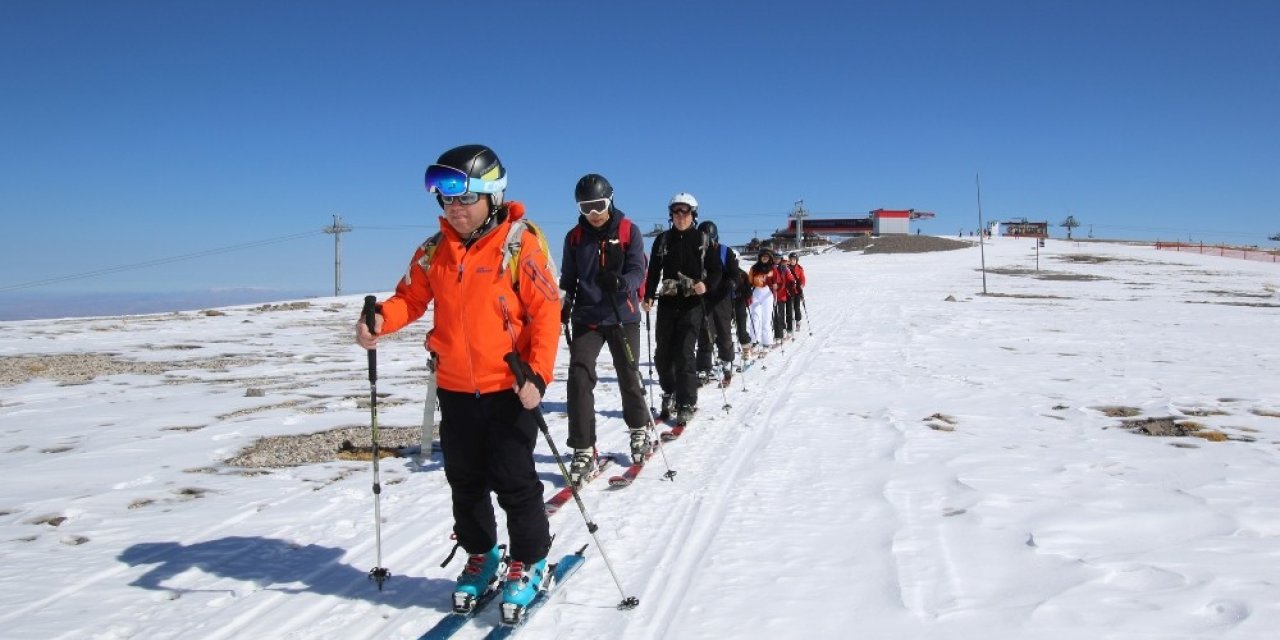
x=583, y=353
x=740, y=319
x=783, y=321
x=677, y=329
x=487, y=441
x=717, y=329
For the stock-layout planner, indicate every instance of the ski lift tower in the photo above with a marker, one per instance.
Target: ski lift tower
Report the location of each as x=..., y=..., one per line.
x=799, y=214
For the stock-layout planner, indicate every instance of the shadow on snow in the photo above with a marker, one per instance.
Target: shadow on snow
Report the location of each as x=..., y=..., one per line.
x=282, y=566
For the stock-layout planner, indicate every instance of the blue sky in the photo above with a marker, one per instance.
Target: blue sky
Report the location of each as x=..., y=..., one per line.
x=138, y=132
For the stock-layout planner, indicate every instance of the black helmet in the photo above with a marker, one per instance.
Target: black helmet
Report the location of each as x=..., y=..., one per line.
x=480, y=163
x=592, y=186
x=708, y=227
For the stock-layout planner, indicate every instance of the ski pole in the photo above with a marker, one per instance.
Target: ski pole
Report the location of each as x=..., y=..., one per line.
x=378, y=573
x=631, y=360
x=517, y=368
x=808, y=322
x=648, y=343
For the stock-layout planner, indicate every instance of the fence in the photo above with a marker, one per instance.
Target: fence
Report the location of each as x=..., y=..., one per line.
x=1243, y=253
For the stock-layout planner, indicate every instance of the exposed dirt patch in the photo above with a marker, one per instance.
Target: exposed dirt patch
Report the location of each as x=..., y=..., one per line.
x=941, y=422
x=1042, y=274
x=52, y=520
x=1118, y=411
x=1030, y=296
x=1229, y=303
x=345, y=443
x=80, y=368
x=1202, y=413
x=1171, y=427
x=902, y=244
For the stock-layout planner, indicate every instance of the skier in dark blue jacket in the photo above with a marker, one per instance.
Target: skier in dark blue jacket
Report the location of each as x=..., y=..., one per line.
x=601, y=274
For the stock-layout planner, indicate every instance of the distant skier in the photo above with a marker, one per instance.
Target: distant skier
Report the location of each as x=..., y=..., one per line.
x=783, y=321
x=717, y=333
x=764, y=279
x=797, y=293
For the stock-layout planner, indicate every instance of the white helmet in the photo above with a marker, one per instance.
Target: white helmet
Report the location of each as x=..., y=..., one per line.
x=683, y=198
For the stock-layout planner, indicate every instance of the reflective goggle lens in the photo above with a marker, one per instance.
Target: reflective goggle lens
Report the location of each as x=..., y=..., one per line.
x=462, y=198
x=599, y=205
x=681, y=211
x=446, y=181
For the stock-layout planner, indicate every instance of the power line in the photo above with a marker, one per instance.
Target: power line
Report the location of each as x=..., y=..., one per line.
x=157, y=262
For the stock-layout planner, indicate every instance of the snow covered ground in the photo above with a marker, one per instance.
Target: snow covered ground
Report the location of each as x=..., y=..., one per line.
x=911, y=466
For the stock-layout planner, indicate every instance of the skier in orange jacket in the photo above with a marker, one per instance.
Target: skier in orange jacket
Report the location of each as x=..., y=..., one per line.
x=483, y=312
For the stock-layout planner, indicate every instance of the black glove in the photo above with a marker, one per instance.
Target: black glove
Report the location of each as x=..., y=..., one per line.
x=536, y=379
x=566, y=312
x=609, y=281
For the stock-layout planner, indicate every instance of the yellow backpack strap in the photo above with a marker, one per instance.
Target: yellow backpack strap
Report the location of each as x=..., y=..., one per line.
x=429, y=250
x=511, y=250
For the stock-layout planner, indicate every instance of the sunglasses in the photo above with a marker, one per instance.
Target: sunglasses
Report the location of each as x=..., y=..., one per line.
x=463, y=198
x=599, y=205
x=681, y=211
x=448, y=181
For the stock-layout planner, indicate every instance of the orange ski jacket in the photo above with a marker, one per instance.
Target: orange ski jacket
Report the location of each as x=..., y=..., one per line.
x=481, y=314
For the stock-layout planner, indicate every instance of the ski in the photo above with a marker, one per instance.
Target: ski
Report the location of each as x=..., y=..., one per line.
x=560, y=572
x=565, y=494
x=627, y=477
x=675, y=432
x=454, y=622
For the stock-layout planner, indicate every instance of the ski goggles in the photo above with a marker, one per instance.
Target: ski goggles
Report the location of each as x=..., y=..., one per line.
x=681, y=211
x=450, y=182
x=469, y=197
x=588, y=207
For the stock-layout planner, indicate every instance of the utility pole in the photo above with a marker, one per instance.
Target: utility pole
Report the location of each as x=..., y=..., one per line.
x=799, y=214
x=336, y=230
x=982, y=231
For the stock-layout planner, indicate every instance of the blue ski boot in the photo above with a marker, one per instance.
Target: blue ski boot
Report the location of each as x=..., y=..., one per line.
x=478, y=577
x=523, y=583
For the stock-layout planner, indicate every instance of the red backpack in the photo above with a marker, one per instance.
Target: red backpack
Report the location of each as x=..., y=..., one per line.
x=575, y=238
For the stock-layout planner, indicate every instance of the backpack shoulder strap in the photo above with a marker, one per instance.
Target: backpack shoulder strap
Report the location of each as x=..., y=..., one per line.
x=429, y=250
x=511, y=250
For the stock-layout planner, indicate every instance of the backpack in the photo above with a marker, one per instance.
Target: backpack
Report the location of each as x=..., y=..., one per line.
x=510, y=250
x=660, y=248
x=726, y=276
x=575, y=238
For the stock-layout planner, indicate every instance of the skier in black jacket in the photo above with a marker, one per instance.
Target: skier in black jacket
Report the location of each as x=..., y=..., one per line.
x=601, y=273
x=717, y=332
x=681, y=270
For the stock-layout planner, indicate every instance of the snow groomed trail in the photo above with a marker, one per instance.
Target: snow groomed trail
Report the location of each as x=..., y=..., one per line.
x=927, y=463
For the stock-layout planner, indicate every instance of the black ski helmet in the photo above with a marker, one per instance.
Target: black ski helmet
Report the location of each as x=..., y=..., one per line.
x=477, y=161
x=708, y=227
x=592, y=186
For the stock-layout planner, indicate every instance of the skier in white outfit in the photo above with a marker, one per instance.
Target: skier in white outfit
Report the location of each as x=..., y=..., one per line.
x=764, y=279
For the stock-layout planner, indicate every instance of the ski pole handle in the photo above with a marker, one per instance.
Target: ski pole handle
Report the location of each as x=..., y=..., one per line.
x=368, y=313
x=517, y=367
